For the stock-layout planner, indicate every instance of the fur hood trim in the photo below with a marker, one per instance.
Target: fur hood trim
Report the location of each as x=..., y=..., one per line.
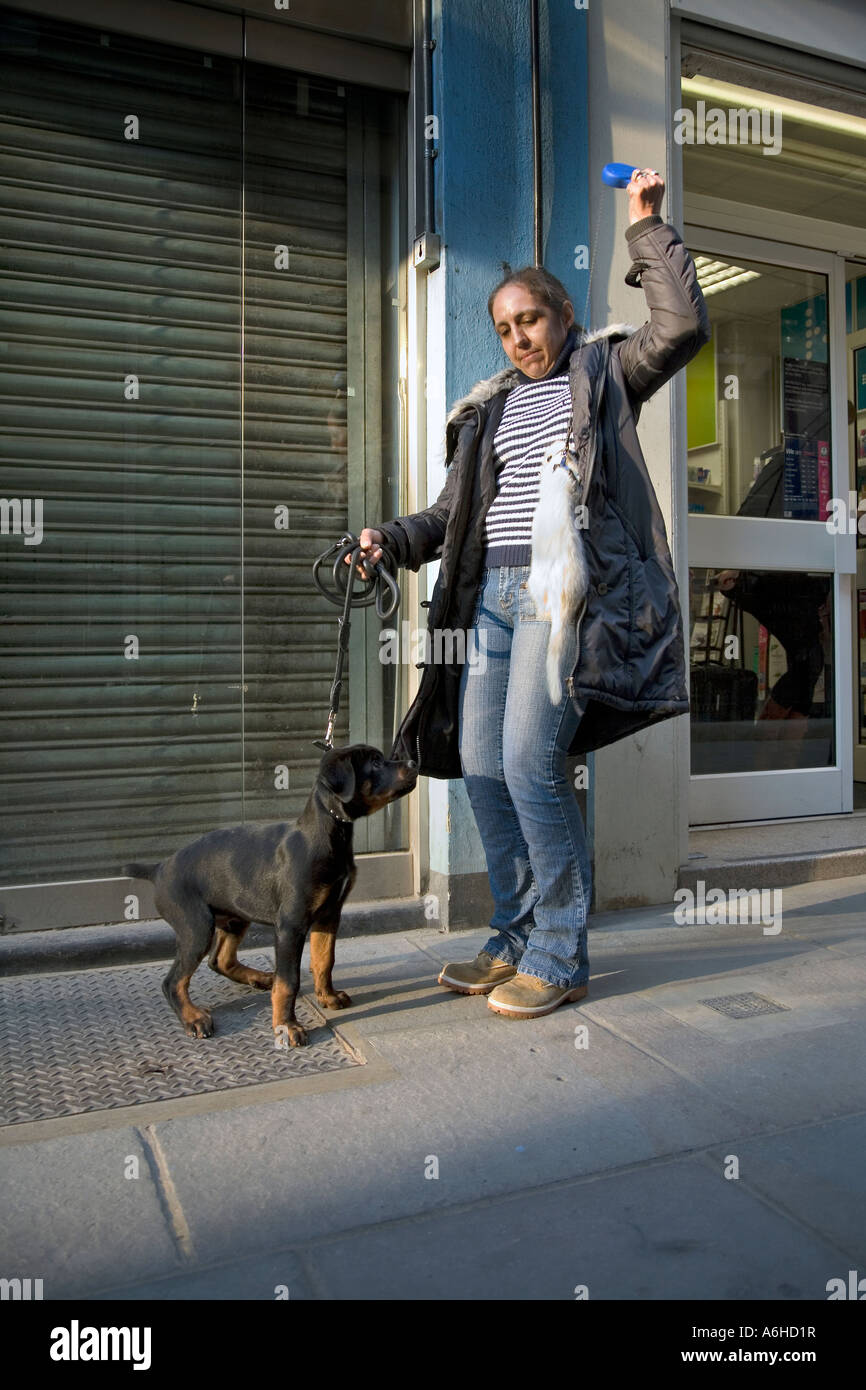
x=508, y=378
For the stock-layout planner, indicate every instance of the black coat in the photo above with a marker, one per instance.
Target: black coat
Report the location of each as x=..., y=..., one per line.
x=630, y=669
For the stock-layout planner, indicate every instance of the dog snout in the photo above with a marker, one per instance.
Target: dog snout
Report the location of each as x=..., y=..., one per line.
x=401, y=777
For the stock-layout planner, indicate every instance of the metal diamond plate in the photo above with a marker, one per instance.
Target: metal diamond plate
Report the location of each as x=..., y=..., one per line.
x=100, y=1039
x=744, y=1005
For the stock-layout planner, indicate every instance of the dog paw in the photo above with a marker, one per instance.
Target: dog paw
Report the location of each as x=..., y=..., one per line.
x=338, y=999
x=264, y=981
x=288, y=1035
x=201, y=1026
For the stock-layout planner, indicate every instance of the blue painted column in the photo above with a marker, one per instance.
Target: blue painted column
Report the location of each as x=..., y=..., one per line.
x=484, y=212
x=484, y=167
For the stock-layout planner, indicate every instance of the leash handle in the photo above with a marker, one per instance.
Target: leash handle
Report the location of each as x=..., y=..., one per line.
x=381, y=588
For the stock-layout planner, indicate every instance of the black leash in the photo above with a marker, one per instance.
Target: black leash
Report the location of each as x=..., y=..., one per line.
x=381, y=589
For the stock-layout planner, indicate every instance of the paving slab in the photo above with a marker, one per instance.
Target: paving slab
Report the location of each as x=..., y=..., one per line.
x=817, y=1174
x=819, y=909
x=772, y=1082
x=498, y=1105
x=670, y=1231
x=638, y=964
x=800, y=1007
x=72, y=1219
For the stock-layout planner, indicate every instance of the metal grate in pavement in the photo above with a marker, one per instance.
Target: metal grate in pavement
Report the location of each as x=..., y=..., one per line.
x=99, y=1039
x=744, y=1005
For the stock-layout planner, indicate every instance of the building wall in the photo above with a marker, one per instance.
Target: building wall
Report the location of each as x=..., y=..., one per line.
x=640, y=785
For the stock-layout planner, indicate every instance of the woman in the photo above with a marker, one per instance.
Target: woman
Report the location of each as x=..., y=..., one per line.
x=494, y=721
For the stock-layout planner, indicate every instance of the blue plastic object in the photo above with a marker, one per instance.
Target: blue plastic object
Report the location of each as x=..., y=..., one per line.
x=618, y=175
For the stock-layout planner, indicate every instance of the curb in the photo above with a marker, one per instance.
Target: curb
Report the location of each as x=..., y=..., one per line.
x=89, y=948
x=775, y=871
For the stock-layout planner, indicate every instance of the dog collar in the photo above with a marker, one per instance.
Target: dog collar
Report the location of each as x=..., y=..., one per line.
x=341, y=820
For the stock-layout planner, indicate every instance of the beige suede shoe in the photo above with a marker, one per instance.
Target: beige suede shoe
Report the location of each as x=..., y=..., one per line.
x=525, y=996
x=478, y=976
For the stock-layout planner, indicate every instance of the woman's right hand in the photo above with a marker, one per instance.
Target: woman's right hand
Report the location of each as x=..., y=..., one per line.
x=371, y=546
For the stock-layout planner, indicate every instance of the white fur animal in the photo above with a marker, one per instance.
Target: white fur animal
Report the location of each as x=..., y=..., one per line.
x=558, y=576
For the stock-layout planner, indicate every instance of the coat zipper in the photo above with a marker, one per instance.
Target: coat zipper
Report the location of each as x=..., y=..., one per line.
x=595, y=408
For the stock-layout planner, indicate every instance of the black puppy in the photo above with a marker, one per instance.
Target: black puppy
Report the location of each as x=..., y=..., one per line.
x=296, y=876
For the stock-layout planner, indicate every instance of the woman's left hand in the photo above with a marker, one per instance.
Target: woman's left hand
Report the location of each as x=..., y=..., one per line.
x=645, y=194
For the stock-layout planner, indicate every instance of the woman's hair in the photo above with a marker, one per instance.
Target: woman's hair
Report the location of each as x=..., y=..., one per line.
x=538, y=281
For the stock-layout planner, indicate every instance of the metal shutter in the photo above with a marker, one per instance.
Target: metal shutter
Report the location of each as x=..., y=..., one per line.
x=146, y=258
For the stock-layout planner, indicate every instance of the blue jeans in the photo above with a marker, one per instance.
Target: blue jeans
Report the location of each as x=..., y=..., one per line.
x=513, y=747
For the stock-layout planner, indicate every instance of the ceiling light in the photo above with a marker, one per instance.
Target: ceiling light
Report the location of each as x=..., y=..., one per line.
x=786, y=106
x=718, y=275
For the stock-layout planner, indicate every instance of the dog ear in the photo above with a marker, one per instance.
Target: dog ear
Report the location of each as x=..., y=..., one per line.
x=339, y=777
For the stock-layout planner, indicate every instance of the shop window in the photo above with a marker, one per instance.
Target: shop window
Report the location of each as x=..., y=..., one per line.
x=761, y=670
x=770, y=136
x=758, y=393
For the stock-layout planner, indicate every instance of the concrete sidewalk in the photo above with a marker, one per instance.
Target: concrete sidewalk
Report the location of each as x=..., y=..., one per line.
x=559, y=1165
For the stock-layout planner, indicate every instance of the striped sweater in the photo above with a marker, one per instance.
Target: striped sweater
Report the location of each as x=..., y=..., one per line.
x=537, y=415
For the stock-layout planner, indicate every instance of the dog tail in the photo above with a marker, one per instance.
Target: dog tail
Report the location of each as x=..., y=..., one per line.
x=140, y=870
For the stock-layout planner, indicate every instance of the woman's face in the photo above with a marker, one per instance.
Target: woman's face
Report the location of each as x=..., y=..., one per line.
x=531, y=332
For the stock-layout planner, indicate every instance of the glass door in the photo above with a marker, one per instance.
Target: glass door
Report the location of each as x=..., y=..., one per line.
x=857, y=454
x=769, y=571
